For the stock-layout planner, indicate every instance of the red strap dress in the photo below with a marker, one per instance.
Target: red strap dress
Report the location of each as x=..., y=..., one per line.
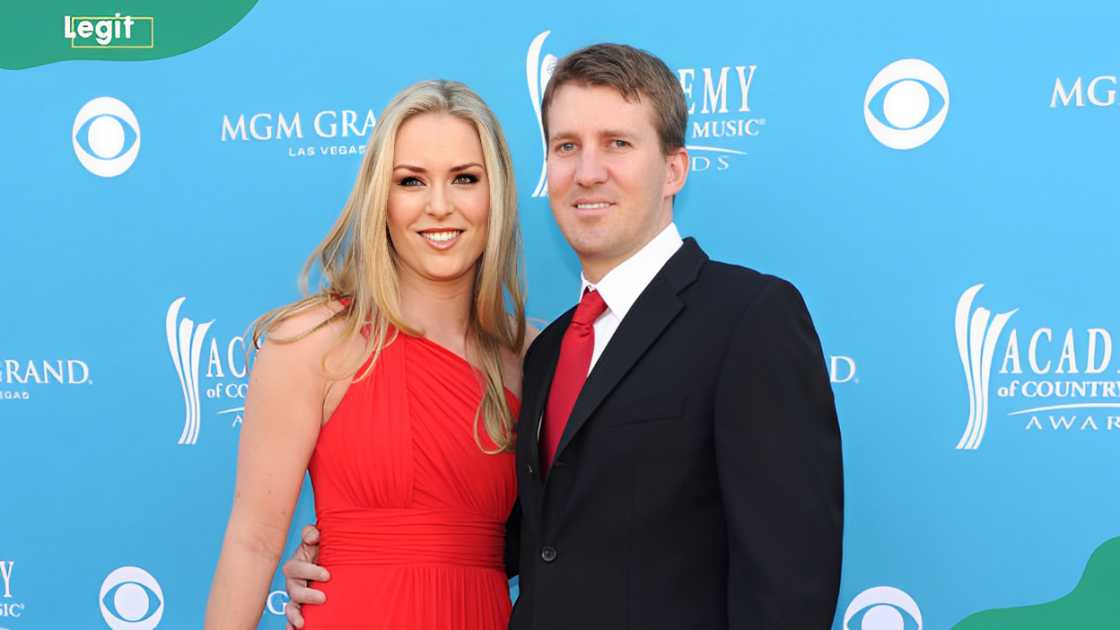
x=411, y=511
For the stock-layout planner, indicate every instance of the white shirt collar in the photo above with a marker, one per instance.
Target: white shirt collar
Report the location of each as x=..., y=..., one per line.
x=622, y=285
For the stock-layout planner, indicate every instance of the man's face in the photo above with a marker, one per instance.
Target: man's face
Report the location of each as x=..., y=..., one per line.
x=609, y=184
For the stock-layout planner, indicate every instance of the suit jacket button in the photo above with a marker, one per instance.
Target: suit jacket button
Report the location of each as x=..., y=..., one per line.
x=529, y=467
x=548, y=554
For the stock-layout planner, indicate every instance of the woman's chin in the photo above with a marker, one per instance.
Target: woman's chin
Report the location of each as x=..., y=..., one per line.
x=447, y=273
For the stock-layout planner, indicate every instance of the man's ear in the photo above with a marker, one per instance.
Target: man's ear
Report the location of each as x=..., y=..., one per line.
x=676, y=171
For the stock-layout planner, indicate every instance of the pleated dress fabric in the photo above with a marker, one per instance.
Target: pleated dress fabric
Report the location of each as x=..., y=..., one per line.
x=410, y=510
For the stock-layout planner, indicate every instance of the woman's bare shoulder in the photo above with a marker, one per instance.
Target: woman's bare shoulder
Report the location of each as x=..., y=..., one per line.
x=304, y=338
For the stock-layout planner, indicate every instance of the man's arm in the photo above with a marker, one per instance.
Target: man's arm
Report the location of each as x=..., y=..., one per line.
x=299, y=571
x=779, y=459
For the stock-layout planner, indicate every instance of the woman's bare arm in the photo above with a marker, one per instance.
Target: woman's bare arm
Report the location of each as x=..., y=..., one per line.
x=283, y=415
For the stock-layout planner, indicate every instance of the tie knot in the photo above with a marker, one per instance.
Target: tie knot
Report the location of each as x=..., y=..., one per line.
x=590, y=307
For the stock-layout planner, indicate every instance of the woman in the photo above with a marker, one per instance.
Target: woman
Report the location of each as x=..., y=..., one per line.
x=395, y=386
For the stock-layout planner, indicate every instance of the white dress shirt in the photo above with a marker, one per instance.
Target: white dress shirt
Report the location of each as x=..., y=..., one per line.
x=622, y=285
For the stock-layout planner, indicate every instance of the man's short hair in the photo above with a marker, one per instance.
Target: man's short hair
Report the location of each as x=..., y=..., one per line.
x=636, y=75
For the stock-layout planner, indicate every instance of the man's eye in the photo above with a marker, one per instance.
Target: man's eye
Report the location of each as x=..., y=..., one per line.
x=565, y=147
x=620, y=144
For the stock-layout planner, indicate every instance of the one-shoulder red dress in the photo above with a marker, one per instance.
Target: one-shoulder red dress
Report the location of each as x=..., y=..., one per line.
x=411, y=511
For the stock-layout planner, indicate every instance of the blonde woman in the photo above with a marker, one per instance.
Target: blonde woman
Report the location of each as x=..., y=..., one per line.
x=396, y=386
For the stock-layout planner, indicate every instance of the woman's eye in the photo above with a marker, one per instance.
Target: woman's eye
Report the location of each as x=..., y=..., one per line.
x=411, y=181
x=466, y=178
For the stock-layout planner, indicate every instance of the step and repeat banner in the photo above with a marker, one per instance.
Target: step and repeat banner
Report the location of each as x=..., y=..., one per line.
x=940, y=183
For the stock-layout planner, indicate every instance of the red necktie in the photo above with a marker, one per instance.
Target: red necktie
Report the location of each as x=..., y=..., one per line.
x=571, y=371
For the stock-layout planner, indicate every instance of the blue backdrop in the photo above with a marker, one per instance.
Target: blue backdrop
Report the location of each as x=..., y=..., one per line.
x=142, y=232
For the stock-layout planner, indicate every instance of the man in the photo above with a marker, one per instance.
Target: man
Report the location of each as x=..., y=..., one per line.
x=678, y=454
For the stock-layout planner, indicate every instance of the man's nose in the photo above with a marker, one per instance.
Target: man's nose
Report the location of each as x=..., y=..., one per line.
x=590, y=169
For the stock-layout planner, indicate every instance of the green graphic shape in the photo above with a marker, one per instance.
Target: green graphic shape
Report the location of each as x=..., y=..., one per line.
x=1094, y=604
x=48, y=31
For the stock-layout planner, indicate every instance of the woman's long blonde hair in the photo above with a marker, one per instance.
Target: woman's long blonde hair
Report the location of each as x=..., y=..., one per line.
x=357, y=260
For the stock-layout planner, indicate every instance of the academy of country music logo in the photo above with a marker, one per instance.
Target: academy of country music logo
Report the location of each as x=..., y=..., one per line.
x=131, y=599
x=719, y=109
x=1099, y=91
x=19, y=376
x=1060, y=381
x=906, y=104
x=106, y=136
x=325, y=133
x=10, y=606
x=206, y=365
x=882, y=608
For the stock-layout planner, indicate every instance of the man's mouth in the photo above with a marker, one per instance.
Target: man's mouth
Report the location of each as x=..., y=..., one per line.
x=591, y=203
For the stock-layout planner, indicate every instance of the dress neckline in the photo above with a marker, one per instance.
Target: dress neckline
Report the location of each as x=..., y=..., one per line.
x=346, y=301
x=455, y=355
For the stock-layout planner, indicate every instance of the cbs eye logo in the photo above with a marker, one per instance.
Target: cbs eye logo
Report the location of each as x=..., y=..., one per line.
x=106, y=136
x=882, y=608
x=131, y=599
x=906, y=104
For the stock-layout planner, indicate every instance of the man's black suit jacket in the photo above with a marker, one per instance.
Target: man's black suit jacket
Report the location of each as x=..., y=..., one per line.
x=698, y=482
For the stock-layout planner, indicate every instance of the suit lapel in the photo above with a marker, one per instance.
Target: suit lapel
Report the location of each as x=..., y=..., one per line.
x=533, y=402
x=656, y=307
